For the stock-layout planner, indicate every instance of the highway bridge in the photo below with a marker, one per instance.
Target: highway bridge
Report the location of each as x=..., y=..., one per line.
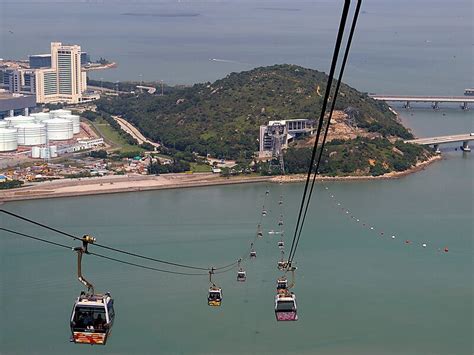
x=436, y=141
x=434, y=100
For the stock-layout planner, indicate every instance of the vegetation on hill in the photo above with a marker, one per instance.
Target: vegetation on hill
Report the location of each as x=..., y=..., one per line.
x=223, y=118
x=358, y=157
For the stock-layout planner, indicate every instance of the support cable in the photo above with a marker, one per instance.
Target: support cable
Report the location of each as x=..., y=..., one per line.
x=105, y=246
x=103, y=256
x=333, y=104
x=340, y=34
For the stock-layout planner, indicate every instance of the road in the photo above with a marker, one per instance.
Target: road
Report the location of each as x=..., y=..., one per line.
x=133, y=131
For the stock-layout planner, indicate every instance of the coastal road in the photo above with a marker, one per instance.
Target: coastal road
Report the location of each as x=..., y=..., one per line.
x=133, y=131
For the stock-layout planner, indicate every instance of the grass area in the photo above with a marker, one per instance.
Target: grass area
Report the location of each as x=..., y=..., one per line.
x=111, y=135
x=200, y=168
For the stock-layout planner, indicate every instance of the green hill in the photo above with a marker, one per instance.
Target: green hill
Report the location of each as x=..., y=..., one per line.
x=223, y=118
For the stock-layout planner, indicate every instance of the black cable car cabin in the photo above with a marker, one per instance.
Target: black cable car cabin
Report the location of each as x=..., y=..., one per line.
x=241, y=275
x=214, y=298
x=92, y=319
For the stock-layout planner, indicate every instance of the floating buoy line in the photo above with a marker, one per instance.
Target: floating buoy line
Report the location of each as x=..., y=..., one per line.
x=93, y=313
x=381, y=233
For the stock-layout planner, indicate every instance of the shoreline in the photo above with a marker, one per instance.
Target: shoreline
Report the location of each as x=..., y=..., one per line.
x=388, y=176
x=137, y=183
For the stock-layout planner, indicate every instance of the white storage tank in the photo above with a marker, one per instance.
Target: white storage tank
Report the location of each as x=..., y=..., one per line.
x=31, y=134
x=17, y=120
x=44, y=152
x=76, y=122
x=58, y=129
x=8, y=139
x=53, y=151
x=40, y=116
x=4, y=124
x=35, y=152
x=58, y=113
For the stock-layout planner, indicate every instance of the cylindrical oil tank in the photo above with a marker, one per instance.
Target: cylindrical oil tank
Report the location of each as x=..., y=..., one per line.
x=76, y=122
x=44, y=153
x=4, y=124
x=31, y=134
x=58, y=113
x=58, y=129
x=35, y=152
x=40, y=116
x=53, y=151
x=8, y=139
x=17, y=120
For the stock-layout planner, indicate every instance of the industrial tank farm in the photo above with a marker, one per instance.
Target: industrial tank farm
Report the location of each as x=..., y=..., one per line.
x=38, y=131
x=17, y=120
x=59, y=129
x=8, y=139
x=31, y=134
x=76, y=122
x=41, y=116
x=59, y=113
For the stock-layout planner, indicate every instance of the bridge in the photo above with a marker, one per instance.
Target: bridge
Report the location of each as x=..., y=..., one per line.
x=434, y=100
x=436, y=141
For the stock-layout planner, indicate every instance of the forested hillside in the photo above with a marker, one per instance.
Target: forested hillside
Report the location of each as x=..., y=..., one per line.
x=223, y=118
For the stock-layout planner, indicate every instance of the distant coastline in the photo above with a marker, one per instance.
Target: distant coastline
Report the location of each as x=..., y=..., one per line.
x=137, y=183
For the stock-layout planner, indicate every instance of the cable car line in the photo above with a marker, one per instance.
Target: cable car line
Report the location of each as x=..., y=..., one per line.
x=341, y=31
x=36, y=238
x=104, y=256
x=333, y=104
x=321, y=118
x=107, y=247
x=146, y=267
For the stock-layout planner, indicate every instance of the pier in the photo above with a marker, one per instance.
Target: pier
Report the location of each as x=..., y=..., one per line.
x=434, y=100
x=436, y=141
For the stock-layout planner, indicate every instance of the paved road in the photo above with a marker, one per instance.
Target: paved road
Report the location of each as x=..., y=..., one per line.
x=133, y=131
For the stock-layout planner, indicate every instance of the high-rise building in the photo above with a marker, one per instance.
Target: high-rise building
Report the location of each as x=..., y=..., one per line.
x=64, y=81
x=55, y=77
x=17, y=80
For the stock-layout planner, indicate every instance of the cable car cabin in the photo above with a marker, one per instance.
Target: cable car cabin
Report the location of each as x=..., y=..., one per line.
x=282, y=284
x=281, y=244
x=241, y=275
x=285, y=306
x=215, y=296
x=253, y=254
x=92, y=319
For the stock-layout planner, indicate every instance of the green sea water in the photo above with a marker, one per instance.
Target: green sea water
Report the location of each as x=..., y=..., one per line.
x=358, y=292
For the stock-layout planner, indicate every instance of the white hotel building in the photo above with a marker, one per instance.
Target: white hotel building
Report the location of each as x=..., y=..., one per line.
x=64, y=81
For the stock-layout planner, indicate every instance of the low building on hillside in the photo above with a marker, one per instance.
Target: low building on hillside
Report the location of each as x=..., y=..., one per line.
x=276, y=135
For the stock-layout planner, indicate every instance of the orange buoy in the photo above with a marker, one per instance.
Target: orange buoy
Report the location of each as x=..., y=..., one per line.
x=446, y=249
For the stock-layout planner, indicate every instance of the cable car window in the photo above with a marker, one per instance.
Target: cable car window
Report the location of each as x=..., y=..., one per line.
x=90, y=318
x=110, y=309
x=285, y=306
